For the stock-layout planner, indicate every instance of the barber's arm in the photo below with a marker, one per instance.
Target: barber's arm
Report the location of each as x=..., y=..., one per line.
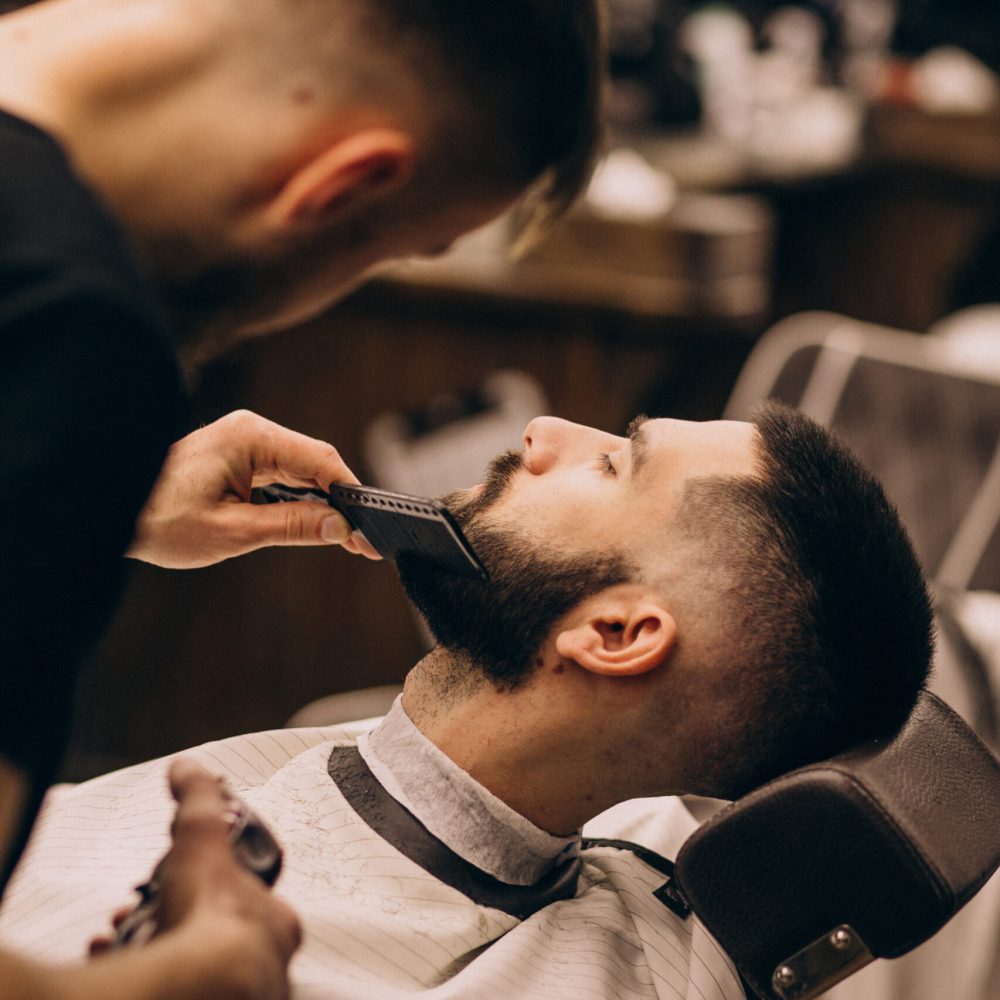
x=200, y=512
x=221, y=934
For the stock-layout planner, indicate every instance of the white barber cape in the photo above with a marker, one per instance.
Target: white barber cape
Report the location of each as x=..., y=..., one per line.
x=377, y=923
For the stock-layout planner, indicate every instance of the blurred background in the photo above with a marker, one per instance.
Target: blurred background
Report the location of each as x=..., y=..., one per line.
x=810, y=190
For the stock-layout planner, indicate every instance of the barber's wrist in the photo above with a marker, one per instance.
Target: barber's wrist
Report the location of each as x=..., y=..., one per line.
x=219, y=958
x=227, y=961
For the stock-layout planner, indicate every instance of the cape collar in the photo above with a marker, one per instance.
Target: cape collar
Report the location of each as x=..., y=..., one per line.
x=401, y=828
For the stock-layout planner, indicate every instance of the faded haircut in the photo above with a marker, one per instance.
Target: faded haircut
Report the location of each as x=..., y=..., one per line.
x=518, y=86
x=824, y=619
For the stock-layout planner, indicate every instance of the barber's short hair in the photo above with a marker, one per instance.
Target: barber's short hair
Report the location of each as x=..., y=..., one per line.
x=826, y=627
x=519, y=84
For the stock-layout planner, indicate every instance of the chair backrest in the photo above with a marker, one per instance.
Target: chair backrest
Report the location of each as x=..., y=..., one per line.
x=811, y=876
x=921, y=417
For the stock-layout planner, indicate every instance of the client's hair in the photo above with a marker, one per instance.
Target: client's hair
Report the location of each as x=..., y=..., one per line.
x=824, y=620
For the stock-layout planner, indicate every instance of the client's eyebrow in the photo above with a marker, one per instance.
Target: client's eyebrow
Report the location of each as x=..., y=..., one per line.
x=640, y=443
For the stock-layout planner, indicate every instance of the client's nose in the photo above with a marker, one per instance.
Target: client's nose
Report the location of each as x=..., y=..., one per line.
x=546, y=439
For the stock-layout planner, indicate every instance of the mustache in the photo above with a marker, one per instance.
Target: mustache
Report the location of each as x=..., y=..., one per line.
x=496, y=480
x=499, y=474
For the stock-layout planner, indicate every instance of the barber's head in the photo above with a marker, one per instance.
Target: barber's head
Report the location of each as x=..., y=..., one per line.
x=266, y=153
x=744, y=588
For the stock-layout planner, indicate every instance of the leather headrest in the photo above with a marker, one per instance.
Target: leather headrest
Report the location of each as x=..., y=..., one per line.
x=888, y=840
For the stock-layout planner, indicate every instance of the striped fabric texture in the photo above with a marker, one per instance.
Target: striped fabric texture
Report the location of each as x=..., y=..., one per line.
x=376, y=924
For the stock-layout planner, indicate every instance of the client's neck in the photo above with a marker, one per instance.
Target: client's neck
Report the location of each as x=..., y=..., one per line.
x=525, y=746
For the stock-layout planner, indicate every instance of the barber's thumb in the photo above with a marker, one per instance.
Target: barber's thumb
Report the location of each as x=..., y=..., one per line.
x=188, y=779
x=299, y=524
x=333, y=528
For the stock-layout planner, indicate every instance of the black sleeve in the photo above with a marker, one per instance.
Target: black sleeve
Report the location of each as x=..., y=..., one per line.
x=89, y=403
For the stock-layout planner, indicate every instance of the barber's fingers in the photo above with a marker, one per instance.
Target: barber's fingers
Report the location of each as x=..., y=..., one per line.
x=201, y=862
x=275, y=452
x=191, y=783
x=253, y=526
x=99, y=946
x=103, y=943
x=360, y=546
x=200, y=822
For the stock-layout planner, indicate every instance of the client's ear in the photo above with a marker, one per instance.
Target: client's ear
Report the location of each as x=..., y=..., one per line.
x=362, y=166
x=618, y=634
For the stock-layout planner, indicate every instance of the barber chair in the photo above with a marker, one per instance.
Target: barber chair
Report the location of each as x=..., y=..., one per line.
x=809, y=878
x=812, y=876
x=923, y=412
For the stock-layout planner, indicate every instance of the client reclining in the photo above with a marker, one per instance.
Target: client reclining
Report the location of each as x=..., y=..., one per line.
x=693, y=608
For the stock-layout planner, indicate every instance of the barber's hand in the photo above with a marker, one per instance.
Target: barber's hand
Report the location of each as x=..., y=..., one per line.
x=221, y=923
x=200, y=512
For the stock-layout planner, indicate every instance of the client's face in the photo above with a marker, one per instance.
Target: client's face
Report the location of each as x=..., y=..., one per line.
x=501, y=625
x=577, y=511
x=575, y=489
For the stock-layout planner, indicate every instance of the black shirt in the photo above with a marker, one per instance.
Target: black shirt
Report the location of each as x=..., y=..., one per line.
x=90, y=397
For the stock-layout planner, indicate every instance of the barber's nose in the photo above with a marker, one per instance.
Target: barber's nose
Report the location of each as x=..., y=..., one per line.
x=546, y=440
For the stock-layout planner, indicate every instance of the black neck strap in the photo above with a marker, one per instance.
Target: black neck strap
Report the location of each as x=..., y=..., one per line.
x=399, y=827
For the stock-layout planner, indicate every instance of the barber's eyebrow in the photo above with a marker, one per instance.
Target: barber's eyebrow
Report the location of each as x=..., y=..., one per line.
x=640, y=443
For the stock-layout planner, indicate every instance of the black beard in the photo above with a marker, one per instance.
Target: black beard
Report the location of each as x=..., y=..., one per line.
x=497, y=478
x=499, y=626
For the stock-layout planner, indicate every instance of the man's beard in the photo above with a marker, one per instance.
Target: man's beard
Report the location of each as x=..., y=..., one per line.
x=499, y=626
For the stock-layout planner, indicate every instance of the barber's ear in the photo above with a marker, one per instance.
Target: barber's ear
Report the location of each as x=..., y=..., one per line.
x=362, y=166
x=620, y=641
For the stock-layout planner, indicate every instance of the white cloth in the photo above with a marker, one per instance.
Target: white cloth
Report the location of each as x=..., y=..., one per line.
x=469, y=818
x=376, y=924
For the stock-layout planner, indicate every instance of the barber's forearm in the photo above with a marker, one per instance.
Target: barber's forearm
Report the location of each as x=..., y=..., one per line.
x=19, y=978
x=13, y=796
x=164, y=970
x=125, y=977
x=111, y=980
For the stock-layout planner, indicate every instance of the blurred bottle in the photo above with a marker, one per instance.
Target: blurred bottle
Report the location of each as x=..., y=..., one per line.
x=652, y=81
x=866, y=32
x=720, y=42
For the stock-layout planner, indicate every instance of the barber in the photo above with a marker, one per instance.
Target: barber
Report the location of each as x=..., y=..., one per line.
x=220, y=936
x=173, y=175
